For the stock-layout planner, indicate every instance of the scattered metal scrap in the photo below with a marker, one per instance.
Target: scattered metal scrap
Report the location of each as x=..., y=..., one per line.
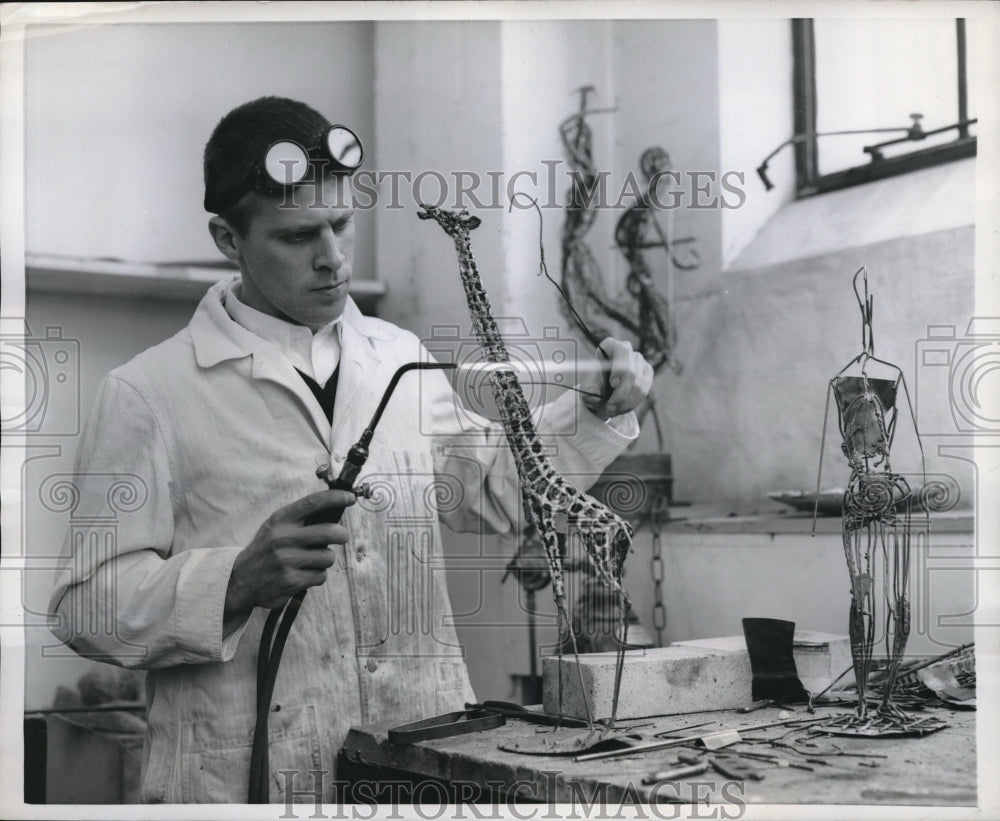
x=711, y=741
x=567, y=741
x=676, y=773
x=947, y=680
x=736, y=767
x=847, y=725
x=737, y=753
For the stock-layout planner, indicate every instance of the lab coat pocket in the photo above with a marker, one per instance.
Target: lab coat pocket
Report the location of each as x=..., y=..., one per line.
x=216, y=756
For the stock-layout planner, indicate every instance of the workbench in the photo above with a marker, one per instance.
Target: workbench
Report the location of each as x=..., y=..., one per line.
x=937, y=769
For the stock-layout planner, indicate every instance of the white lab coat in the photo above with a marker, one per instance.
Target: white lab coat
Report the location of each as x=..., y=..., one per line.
x=188, y=448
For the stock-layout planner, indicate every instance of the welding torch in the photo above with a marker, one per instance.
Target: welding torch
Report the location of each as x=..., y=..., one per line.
x=358, y=454
x=279, y=621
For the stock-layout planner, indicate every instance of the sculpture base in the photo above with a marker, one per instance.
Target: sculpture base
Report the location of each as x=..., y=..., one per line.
x=881, y=725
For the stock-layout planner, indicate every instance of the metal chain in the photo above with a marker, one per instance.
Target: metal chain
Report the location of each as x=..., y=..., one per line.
x=656, y=570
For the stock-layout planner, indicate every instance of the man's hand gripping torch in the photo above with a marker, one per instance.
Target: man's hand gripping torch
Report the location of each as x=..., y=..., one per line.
x=279, y=620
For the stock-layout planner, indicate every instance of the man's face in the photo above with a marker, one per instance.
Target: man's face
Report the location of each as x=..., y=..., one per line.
x=297, y=252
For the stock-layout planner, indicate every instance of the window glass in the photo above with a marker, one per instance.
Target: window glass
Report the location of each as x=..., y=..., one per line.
x=875, y=74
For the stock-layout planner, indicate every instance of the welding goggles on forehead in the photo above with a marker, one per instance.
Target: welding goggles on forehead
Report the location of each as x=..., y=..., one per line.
x=286, y=162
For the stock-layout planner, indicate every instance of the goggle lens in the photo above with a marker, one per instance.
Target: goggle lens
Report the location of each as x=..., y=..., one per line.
x=344, y=147
x=286, y=162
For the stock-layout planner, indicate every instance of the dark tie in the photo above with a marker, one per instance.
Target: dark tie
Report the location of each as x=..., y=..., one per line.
x=325, y=394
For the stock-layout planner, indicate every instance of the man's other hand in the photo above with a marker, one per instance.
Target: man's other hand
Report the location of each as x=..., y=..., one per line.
x=287, y=555
x=628, y=377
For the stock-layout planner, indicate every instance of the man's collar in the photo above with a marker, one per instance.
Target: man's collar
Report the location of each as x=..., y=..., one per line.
x=279, y=331
x=217, y=337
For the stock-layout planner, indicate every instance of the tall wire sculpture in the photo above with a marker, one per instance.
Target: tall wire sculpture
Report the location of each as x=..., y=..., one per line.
x=648, y=314
x=553, y=507
x=877, y=525
x=588, y=304
x=639, y=230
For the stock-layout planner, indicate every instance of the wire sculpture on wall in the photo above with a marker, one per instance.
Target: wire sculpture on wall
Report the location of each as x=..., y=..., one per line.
x=648, y=316
x=581, y=275
x=655, y=325
x=876, y=523
x=554, y=508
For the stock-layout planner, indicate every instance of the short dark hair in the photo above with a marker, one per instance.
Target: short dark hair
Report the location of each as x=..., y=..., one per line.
x=240, y=140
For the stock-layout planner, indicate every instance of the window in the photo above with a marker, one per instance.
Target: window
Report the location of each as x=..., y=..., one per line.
x=902, y=83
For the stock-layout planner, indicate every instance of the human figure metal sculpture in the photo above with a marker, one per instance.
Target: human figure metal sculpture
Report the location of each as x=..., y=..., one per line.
x=876, y=522
x=638, y=231
x=647, y=313
x=588, y=304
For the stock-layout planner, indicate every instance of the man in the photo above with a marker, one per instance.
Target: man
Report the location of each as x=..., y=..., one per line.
x=221, y=428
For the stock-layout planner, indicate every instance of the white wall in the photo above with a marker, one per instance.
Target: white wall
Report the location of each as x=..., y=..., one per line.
x=437, y=90
x=118, y=115
x=543, y=65
x=755, y=117
x=667, y=81
x=713, y=580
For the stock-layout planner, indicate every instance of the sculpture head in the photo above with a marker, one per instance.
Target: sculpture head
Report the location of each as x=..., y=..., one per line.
x=454, y=223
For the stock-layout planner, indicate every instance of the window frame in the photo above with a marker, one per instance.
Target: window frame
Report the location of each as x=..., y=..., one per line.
x=808, y=180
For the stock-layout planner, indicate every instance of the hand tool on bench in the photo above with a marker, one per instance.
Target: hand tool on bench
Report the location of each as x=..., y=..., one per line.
x=445, y=726
x=511, y=710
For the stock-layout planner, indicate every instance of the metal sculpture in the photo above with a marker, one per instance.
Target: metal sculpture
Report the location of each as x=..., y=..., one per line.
x=587, y=303
x=647, y=316
x=877, y=521
x=637, y=231
x=551, y=505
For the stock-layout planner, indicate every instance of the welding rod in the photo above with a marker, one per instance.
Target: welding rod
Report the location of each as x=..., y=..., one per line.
x=676, y=730
x=638, y=748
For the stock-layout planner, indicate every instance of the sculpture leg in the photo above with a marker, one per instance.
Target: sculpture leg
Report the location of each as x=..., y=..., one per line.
x=898, y=605
x=861, y=616
x=859, y=655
